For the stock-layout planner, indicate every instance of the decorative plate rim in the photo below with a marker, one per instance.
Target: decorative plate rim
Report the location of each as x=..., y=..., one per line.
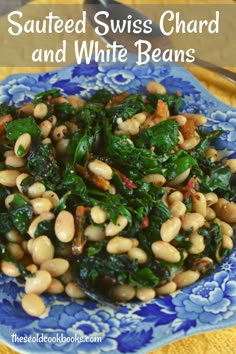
x=139, y=327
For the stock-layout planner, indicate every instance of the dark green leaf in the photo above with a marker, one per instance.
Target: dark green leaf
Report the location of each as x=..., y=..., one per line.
x=43, y=165
x=144, y=278
x=21, y=213
x=43, y=96
x=5, y=223
x=163, y=136
x=17, y=127
x=64, y=111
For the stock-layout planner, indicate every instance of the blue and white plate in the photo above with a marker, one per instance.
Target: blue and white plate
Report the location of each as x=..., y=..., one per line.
x=138, y=327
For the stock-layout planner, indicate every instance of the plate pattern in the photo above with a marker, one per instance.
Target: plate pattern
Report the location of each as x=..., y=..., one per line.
x=137, y=327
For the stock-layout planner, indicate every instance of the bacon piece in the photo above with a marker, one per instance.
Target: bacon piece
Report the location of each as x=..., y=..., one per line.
x=79, y=240
x=188, y=129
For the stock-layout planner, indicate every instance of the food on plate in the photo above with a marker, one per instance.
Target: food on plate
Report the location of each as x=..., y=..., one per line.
x=122, y=185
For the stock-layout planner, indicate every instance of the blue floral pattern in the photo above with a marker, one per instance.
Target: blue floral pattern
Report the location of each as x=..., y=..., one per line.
x=137, y=327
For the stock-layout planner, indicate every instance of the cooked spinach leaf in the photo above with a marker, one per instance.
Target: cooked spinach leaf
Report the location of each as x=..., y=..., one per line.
x=162, y=136
x=17, y=127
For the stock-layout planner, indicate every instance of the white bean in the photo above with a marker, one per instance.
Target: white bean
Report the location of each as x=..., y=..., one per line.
x=175, y=196
x=192, y=220
x=198, y=244
x=210, y=214
x=156, y=178
x=33, y=305
x=190, y=143
x=32, y=268
x=225, y=227
x=94, y=233
x=177, y=208
x=39, y=283
x=40, y=110
x=45, y=128
x=227, y=242
x=226, y=210
x=165, y=251
x=41, y=205
x=123, y=293
x=15, y=161
x=65, y=226
x=22, y=145
x=98, y=215
x=138, y=253
x=113, y=229
x=155, y=87
x=211, y=198
x=74, y=291
x=198, y=119
x=199, y=204
x=170, y=229
x=61, y=146
x=20, y=179
x=52, y=196
x=42, y=249
x=166, y=289
x=212, y=154
x=119, y=244
x=179, y=179
x=180, y=119
x=186, y=278
x=232, y=164
x=8, y=177
x=130, y=126
x=10, y=269
x=47, y=216
x=76, y=101
x=56, y=287
x=140, y=117
x=101, y=169
x=36, y=190
x=59, y=132
x=56, y=266
x=145, y=294
x=13, y=236
x=15, y=250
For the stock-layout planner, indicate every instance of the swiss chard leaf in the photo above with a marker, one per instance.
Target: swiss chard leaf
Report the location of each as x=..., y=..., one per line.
x=212, y=239
x=119, y=149
x=124, y=110
x=43, y=96
x=43, y=165
x=4, y=192
x=144, y=278
x=163, y=136
x=21, y=213
x=6, y=109
x=73, y=183
x=219, y=178
x=178, y=163
x=102, y=96
x=5, y=223
x=17, y=127
x=64, y=111
x=119, y=267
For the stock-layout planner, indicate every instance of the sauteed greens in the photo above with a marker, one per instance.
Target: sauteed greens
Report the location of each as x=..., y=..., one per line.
x=123, y=185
